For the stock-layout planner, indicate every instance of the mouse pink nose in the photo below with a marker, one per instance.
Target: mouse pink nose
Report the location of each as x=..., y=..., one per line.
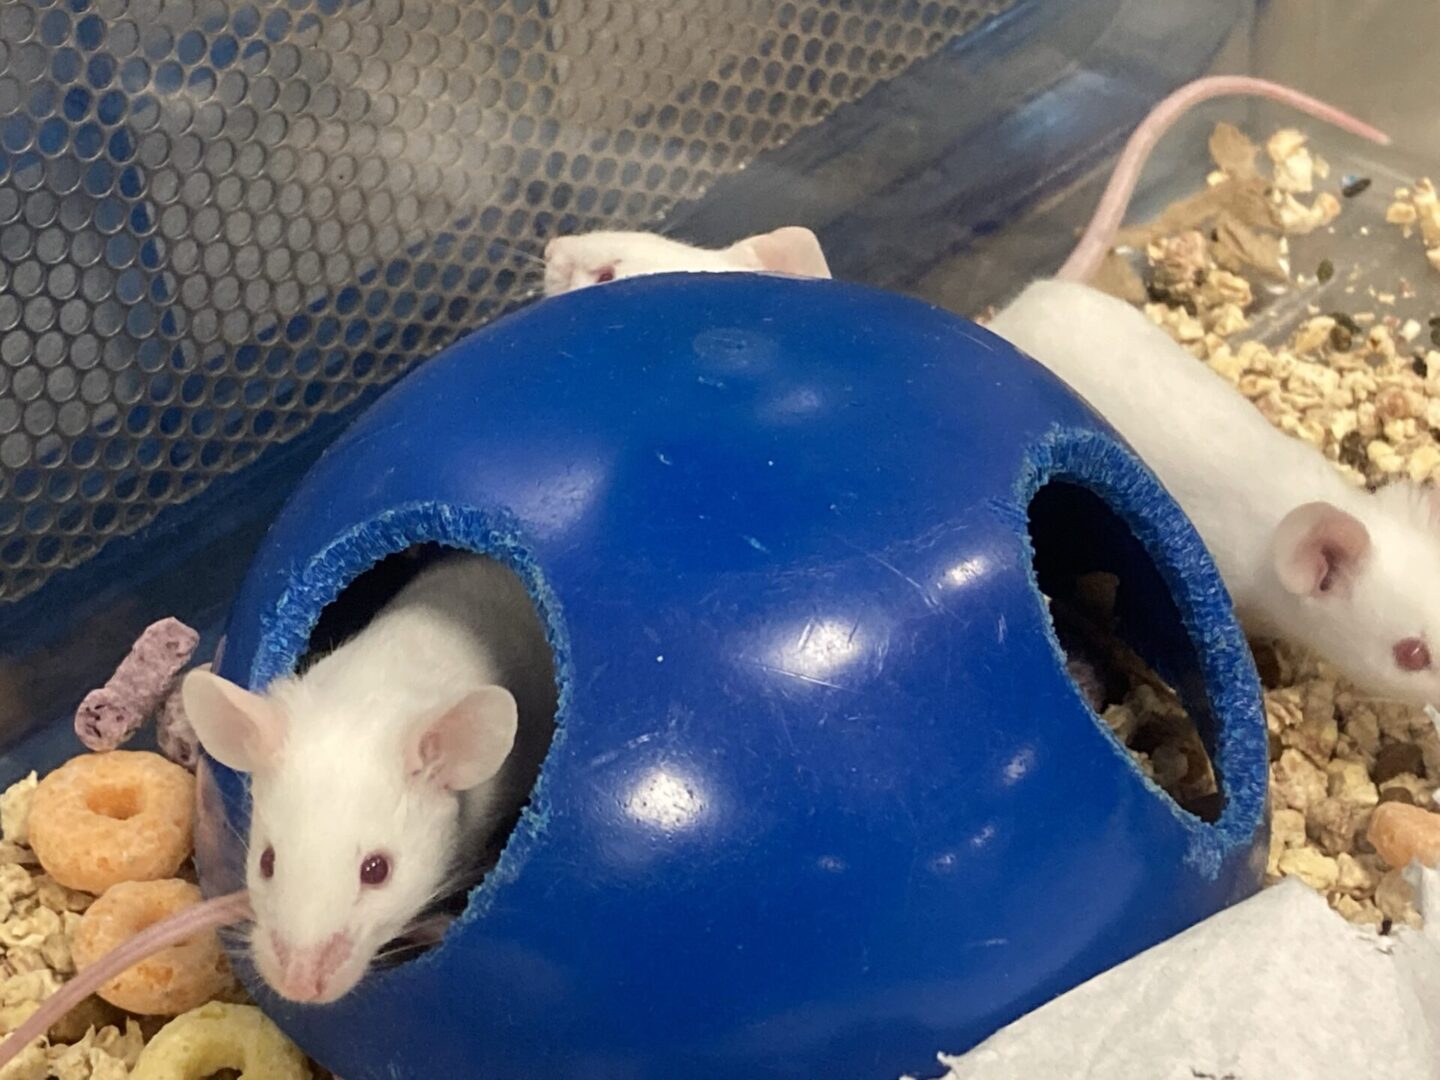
x=306, y=974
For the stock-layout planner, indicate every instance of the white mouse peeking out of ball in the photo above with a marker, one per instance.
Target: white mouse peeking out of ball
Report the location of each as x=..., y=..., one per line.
x=382, y=776
x=574, y=262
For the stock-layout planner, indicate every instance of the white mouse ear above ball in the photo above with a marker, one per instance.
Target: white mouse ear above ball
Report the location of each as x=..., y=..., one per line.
x=239, y=729
x=789, y=250
x=467, y=743
x=1318, y=548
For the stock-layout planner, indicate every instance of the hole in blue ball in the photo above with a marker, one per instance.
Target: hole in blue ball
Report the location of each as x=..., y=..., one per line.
x=532, y=681
x=1124, y=642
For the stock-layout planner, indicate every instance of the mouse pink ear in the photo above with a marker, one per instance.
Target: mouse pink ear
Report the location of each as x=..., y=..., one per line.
x=237, y=728
x=467, y=743
x=789, y=250
x=1318, y=548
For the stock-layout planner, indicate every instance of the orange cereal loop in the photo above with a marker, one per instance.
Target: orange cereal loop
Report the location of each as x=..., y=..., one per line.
x=169, y=982
x=123, y=815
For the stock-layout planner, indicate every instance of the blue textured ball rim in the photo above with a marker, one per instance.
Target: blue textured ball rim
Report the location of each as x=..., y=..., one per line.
x=319, y=584
x=309, y=561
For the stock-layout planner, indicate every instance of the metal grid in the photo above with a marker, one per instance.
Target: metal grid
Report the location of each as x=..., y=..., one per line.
x=220, y=220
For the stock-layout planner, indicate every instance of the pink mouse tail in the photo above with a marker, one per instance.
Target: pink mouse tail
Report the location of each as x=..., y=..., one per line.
x=210, y=915
x=1099, y=235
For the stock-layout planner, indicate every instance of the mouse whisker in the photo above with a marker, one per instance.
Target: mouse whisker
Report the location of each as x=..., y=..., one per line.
x=462, y=879
x=515, y=251
x=529, y=281
x=391, y=953
x=237, y=938
x=229, y=826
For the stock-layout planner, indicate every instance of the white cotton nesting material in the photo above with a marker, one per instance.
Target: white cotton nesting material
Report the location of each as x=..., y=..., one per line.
x=1278, y=986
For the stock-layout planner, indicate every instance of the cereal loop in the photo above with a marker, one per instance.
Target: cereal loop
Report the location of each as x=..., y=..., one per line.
x=123, y=815
x=215, y=1037
x=168, y=982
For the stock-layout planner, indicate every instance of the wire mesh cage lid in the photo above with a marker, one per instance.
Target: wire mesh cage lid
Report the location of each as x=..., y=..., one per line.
x=220, y=220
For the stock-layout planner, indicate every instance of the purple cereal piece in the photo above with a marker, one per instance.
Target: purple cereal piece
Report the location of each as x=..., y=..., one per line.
x=105, y=720
x=109, y=716
x=174, y=733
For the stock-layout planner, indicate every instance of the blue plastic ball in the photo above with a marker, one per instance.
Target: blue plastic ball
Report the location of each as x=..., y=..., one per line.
x=823, y=799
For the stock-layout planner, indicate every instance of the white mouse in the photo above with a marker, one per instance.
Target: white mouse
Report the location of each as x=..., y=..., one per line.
x=380, y=775
x=1306, y=556
x=574, y=262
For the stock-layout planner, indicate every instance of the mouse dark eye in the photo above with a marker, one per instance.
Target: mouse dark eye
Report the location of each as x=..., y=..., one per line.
x=267, y=863
x=1412, y=654
x=607, y=274
x=374, y=870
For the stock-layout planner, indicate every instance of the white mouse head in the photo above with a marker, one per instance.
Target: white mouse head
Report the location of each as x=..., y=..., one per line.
x=1368, y=592
x=574, y=262
x=349, y=839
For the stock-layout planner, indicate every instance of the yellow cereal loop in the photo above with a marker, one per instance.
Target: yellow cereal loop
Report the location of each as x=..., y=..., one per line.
x=123, y=815
x=169, y=982
x=218, y=1036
